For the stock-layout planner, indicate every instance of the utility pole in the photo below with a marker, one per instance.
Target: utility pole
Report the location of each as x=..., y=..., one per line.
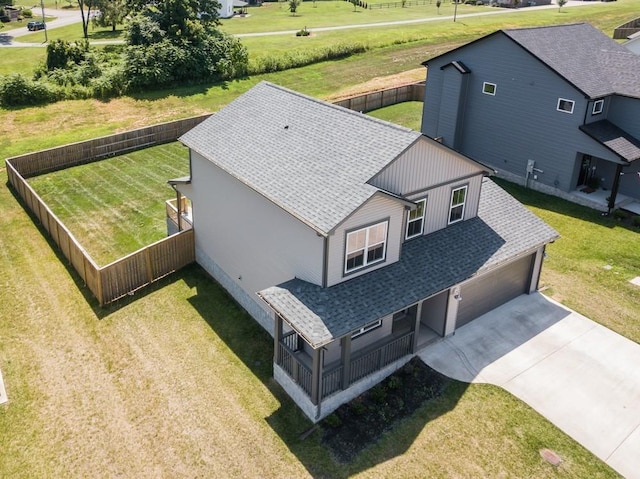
x=46, y=37
x=455, y=9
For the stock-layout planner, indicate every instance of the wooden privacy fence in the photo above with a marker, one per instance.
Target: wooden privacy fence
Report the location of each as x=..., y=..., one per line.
x=382, y=98
x=138, y=269
x=626, y=29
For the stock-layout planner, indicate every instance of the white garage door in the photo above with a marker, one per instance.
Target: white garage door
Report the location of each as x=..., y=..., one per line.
x=489, y=291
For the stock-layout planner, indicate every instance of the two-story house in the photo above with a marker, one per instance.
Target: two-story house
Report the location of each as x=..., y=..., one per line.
x=556, y=108
x=353, y=241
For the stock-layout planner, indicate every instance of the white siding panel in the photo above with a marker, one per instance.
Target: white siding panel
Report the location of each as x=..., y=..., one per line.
x=378, y=208
x=426, y=164
x=255, y=242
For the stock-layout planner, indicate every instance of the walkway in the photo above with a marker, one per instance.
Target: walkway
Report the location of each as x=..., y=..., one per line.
x=580, y=375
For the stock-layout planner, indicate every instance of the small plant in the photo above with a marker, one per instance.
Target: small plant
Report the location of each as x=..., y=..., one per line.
x=303, y=33
x=379, y=394
x=395, y=382
x=636, y=221
x=27, y=13
x=620, y=215
x=332, y=420
x=358, y=407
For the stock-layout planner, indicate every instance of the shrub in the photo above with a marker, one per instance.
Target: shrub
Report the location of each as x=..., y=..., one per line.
x=636, y=221
x=332, y=420
x=303, y=33
x=27, y=13
x=17, y=90
x=61, y=53
x=620, y=214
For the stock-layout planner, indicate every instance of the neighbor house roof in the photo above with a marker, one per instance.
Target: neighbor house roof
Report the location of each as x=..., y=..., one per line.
x=581, y=54
x=309, y=157
x=503, y=230
x=616, y=139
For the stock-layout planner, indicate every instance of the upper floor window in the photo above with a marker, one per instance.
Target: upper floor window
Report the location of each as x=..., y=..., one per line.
x=366, y=328
x=458, y=198
x=415, y=220
x=598, y=106
x=489, y=88
x=366, y=246
x=565, y=105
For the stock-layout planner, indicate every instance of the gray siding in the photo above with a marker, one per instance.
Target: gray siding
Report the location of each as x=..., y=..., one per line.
x=423, y=166
x=625, y=113
x=439, y=202
x=452, y=105
x=377, y=209
x=521, y=121
x=254, y=242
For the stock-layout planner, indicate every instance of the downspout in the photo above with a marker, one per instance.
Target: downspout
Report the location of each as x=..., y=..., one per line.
x=325, y=262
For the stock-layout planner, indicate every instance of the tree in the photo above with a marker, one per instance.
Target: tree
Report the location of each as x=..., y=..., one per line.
x=355, y=4
x=86, y=6
x=438, y=3
x=110, y=13
x=561, y=3
x=293, y=6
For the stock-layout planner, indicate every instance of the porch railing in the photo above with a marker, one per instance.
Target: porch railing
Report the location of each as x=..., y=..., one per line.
x=172, y=214
x=363, y=363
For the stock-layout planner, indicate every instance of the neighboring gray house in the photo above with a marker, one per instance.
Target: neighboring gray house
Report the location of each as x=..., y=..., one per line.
x=353, y=241
x=556, y=108
x=633, y=43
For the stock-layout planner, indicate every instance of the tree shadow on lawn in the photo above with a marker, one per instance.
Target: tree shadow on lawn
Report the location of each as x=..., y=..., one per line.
x=385, y=420
x=180, y=91
x=544, y=201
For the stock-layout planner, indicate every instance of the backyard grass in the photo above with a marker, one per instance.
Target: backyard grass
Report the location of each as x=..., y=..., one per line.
x=116, y=206
x=407, y=114
x=176, y=382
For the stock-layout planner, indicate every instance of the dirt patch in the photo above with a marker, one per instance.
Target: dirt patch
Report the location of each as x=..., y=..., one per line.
x=362, y=422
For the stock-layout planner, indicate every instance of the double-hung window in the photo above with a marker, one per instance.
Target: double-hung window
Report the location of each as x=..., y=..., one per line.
x=565, y=105
x=415, y=220
x=365, y=246
x=458, y=199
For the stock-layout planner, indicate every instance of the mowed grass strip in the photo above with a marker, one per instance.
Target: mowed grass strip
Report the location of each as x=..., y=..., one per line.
x=115, y=206
x=176, y=382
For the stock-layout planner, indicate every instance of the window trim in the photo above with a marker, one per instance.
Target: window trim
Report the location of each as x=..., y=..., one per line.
x=365, y=262
x=599, y=103
x=409, y=220
x=484, y=86
x=366, y=328
x=463, y=204
x=573, y=104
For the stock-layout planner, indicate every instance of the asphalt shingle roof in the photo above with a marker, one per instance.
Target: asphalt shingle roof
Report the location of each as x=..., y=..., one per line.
x=583, y=55
x=309, y=157
x=503, y=230
x=614, y=138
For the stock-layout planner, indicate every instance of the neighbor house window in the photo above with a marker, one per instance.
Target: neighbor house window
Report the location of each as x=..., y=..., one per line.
x=366, y=328
x=365, y=246
x=489, y=88
x=415, y=220
x=565, y=105
x=458, y=198
x=598, y=106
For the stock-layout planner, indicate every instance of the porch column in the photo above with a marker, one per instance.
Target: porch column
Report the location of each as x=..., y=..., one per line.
x=316, y=379
x=614, y=188
x=277, y=337
x=179, y=208
x=345, y=346
x=416, y=327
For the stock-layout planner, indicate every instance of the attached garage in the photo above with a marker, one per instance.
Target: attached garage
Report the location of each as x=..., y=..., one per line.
x=487, y=292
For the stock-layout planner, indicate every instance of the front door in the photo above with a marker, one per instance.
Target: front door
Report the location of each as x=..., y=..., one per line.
x=586, y=170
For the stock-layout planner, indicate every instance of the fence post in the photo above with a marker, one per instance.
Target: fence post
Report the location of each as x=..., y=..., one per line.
x=147, y=260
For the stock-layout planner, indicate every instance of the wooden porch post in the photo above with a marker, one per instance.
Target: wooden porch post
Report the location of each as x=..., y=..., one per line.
x=345, y=344
x=277, y=337
x=614, y=189
x=315, y=377
x=179, y=208
x=416, y=328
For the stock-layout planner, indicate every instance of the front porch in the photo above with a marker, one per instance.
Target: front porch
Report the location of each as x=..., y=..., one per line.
x=179, y=215
x=317, y=379
x=598, y=199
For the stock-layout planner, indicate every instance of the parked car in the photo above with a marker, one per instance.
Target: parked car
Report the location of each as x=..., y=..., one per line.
x=34, y=26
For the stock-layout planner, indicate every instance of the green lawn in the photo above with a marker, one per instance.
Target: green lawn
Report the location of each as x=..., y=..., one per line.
x=176, y=382
x=115, y=206
x=407, y=114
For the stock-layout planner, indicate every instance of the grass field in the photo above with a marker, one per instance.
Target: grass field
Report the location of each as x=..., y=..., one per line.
x=116, y=206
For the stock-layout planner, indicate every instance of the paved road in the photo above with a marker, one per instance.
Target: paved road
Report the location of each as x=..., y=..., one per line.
x=69, y=17
x=580, y=375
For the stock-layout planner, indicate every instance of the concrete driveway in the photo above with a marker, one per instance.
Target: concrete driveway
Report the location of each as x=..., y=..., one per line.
x=580, y=375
